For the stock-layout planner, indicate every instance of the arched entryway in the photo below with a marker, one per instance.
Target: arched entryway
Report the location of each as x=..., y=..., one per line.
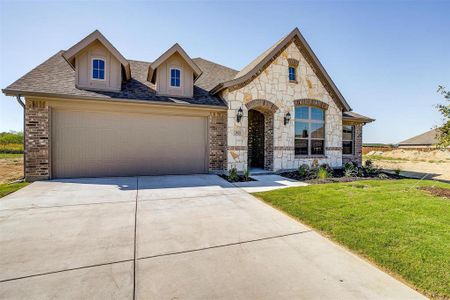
x=255, y=139
x=260, y=134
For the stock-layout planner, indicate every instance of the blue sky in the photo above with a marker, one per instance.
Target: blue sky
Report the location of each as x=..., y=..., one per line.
x=386, y=57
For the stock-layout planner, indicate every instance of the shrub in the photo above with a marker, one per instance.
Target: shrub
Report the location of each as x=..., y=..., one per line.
x=350, y=170
x=233, y=175
x=370, y=169
x=11, y=148
x=246, y=174
x=322, y=173
x=11, y=138
x=397, y=171
x=383, y=176
x=303, y=171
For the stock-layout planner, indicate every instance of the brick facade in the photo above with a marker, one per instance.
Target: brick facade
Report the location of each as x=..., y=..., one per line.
x=217, y=141
x=357, y=155
x=37, y=128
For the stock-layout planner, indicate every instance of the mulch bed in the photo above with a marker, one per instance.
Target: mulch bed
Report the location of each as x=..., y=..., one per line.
x=338, y=176
x=240, y=178
x=437, y=191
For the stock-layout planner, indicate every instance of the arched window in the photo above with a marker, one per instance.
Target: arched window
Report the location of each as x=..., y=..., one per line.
x=175, y=77
x=98, y=69
x=309, y=131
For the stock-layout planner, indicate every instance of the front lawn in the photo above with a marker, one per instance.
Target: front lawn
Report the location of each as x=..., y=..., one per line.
x=9, y=188
x=394, y=223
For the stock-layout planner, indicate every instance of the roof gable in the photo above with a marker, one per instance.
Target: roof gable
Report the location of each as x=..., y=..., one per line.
x=427, y=138
x=70, y=54
x=172, y=50
x=253, y=69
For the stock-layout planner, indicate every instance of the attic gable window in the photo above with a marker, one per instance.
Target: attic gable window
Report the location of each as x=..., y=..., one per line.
x=98, y=69
x=292, y=74
x=175, y=75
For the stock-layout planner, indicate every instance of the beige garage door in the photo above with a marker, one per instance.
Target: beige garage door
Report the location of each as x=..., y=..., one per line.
x=94, y=144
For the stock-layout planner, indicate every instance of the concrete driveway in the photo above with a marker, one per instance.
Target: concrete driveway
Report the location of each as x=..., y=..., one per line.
x=170, y=237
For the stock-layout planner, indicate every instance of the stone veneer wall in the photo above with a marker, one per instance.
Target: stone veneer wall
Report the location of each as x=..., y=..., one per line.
x=37, y=128
x=357, y=155
x=217, y=141
x=272, y=84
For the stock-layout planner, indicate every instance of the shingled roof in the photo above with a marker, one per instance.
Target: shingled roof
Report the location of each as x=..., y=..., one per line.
x=428, y=138
x=55, y=77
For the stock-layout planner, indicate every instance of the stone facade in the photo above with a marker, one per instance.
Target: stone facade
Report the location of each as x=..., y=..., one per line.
x=357, y=152
x=272, y=86
x=37, y=128
x=217, y=141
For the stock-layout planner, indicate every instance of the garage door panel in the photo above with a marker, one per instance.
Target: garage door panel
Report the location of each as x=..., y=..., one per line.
x=92, y=144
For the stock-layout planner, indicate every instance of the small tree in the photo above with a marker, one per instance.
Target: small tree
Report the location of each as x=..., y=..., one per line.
x=444, y=109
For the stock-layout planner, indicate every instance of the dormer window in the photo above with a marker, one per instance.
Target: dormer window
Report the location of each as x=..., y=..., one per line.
x=175, y=75
x=292, y=74
x=98, y=69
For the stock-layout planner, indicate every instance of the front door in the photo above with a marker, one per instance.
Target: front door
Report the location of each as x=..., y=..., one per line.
x=255, y=139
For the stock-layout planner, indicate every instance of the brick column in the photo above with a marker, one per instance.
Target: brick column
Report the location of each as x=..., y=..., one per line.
x=37, y=160
x=358, y=143
x=217, y=141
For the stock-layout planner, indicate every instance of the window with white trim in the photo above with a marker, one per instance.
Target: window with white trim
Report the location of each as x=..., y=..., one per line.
x=348, y=139
x=175, y=77
x=309, y=131
x=98, y=69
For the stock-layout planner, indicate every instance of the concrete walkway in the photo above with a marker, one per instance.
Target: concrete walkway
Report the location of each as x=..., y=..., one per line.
x=170, y=237
x=270, y=182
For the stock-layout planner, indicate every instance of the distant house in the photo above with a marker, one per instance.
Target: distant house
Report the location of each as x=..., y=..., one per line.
x=425, y=140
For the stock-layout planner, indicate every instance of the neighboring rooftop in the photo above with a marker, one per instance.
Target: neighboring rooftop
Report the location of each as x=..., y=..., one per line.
x=428, y=138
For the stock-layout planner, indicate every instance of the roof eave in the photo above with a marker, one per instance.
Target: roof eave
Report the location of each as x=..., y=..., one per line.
x=9, y=92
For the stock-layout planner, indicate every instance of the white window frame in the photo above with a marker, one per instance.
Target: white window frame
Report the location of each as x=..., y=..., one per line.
x=92, y=68
x=170, y=77
x=352, y=140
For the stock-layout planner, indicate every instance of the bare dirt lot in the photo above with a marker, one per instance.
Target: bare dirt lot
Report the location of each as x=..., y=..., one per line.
x=11, y=167
x=431, y=165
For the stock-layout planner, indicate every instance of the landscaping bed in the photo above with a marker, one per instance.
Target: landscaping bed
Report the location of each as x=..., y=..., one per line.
x=397, y=224
x=350, y=172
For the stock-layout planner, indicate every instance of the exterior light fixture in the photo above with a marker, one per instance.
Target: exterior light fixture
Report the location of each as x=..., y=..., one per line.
x=239, y=114
x=287, y=118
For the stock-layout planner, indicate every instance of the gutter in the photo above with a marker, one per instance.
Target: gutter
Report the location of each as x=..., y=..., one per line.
x=19, y=100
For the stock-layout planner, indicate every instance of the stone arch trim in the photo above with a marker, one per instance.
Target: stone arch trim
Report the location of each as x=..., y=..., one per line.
x=292, y=62
x=262, y=105
x=311, y=102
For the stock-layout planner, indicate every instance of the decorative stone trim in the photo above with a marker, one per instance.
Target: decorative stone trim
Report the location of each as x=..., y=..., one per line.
x=217, y=141
x=293, y=62
x=237, y=148
x=311, y=102
x=333, y=148
x=283, y=148
x=262, y=105
x=37, y=152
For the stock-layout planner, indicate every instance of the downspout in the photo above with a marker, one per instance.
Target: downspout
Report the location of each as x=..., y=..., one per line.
x=19, y=100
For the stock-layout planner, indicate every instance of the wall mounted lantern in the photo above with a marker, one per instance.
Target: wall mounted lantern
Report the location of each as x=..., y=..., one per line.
x=287, y=118
x=239, y=114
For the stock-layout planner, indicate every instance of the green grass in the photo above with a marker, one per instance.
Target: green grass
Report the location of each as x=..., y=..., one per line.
x=402, y=229
x=6, y=189
x=10, y=155
x=379, y=157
